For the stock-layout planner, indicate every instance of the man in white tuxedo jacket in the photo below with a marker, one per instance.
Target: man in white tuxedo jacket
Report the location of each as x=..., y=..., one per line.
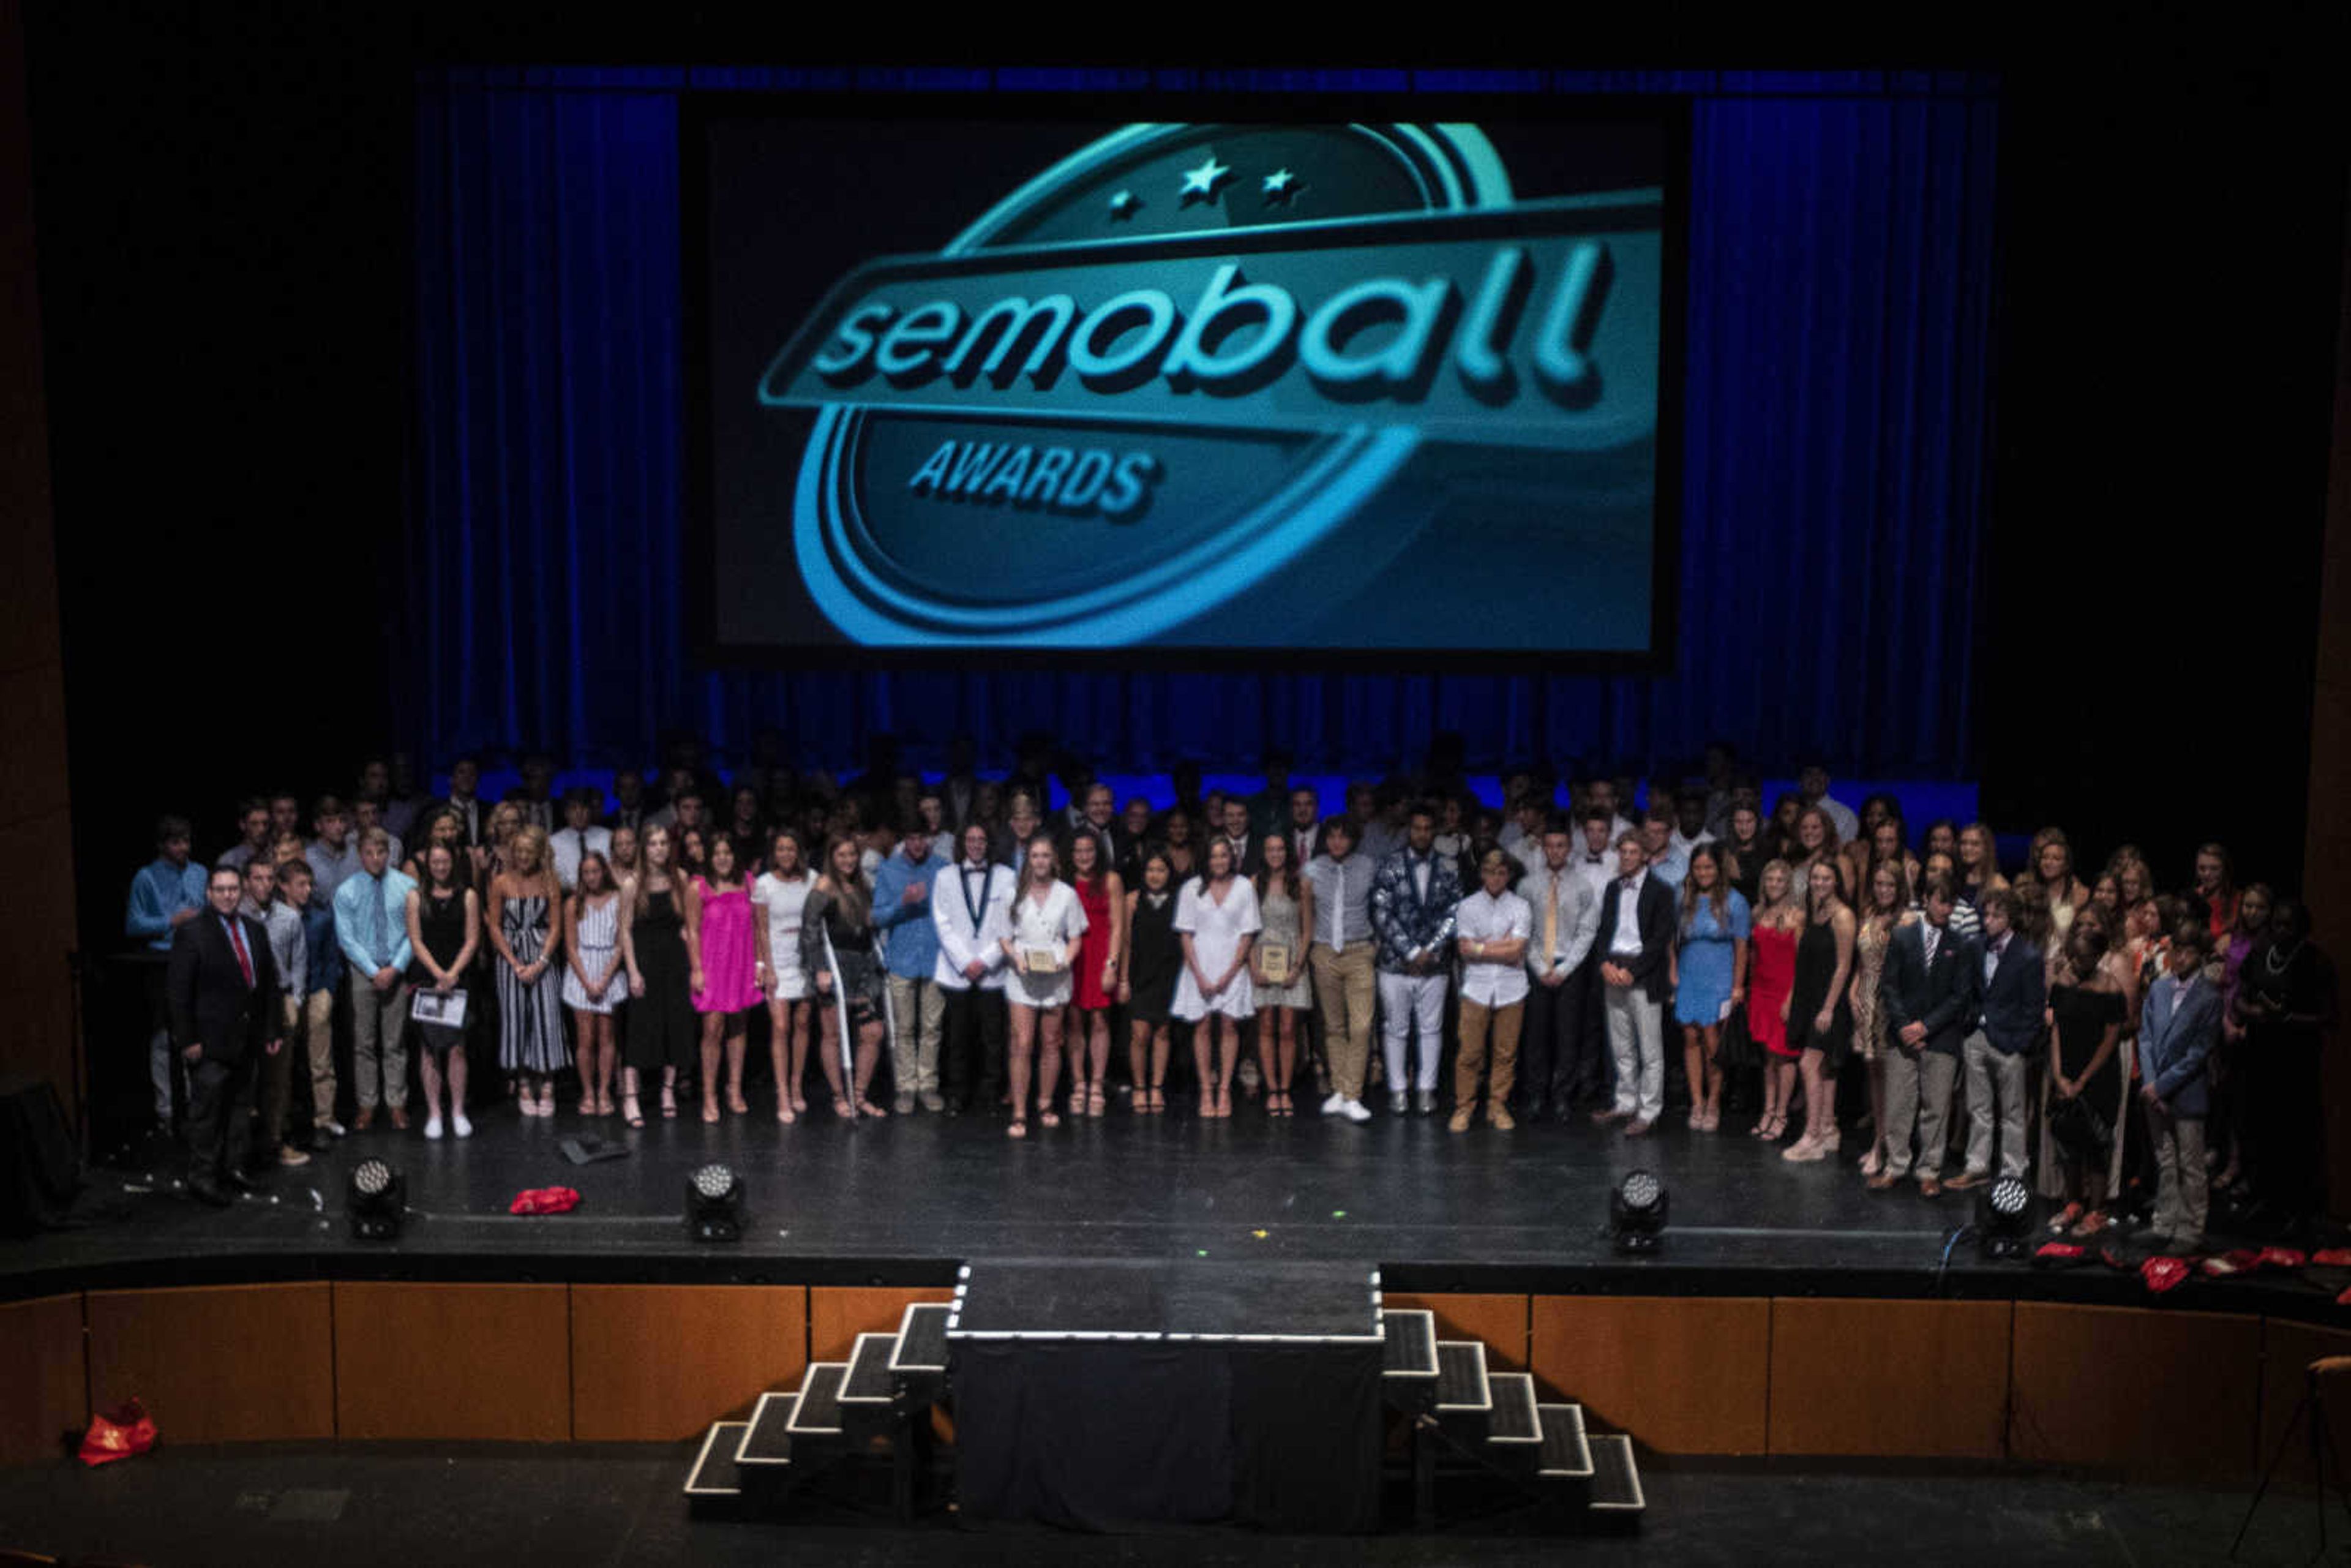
x=971, y=908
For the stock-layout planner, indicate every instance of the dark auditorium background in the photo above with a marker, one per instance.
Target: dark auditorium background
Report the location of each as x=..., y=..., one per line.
x=205, y=382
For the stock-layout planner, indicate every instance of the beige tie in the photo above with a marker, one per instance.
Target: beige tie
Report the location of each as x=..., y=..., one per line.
x=1550, y=926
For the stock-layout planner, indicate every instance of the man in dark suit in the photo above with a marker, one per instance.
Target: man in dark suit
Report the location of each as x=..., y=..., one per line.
x=1927, y=995
x=464, y=799
x=1634, y=943
x=2011, y=992
x=223, y=990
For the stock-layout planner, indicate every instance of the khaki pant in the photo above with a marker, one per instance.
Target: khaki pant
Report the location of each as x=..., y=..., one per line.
x=314, y=1030
x=918, y=1011
x=2179, y=1199
x=1476, y=1018
x=380, y=1043
x=1917, y=1094
x=277, y=1080
x=1995, y=1078
x=1344, y=990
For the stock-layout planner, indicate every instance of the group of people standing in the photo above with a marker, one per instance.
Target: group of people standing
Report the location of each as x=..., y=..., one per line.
x=2084, y=1030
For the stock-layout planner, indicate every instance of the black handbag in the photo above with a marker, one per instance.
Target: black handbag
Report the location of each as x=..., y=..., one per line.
x=2079, y=1130
x=1736, y=1050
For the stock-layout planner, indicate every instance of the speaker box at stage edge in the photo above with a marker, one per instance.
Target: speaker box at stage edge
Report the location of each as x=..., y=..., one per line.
x=40, y=1170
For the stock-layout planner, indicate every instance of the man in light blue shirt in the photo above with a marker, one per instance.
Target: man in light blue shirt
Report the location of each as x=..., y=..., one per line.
x=371, y=927
x=918, y=1008
x=167, y=893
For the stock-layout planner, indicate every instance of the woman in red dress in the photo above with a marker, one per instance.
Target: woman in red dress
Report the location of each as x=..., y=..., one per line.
x=1104, y=899
x=1777, y=922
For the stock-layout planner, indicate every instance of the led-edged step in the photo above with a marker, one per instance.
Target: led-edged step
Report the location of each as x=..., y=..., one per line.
x=921, y=1345
x=1566, y=1451
x=1461, y=1384
x=1615, y=1479
x=817, y=1418
x=767, y=1439
x=715, y=1475
x=1513, y=1426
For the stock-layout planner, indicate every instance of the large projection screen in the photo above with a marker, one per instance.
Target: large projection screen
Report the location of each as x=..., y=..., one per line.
x=1225, y=392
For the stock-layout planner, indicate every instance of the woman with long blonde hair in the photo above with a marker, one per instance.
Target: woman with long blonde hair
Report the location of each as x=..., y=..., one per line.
x=523, y=923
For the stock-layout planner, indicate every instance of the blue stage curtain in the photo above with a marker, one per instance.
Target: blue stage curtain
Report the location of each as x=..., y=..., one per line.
x=1841, y=274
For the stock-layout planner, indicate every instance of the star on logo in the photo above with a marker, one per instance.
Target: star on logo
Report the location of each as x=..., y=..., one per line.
x=1281, y=185
x=1202, y=182
x=1124, y=205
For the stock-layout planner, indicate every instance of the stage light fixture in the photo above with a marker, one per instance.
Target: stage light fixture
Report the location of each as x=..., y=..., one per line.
x=713, y=1204
x=1637, y=1212
x=2004, y=1220
x=377, y=1199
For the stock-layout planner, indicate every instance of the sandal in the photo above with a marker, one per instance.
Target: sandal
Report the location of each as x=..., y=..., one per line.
x=630, y=1112
x=1019, y=1129
x=735, y=1104
x=784, y=1112
x=669, y=1103
x=1096, y=1101
x=867, y=1108
x=843, y=1109
x=710, y=1110
x=1046, y=1115
x=1208, y=1104
x=2092, y=1223
x=2065, y=1221
x=1155, y=1099
x=1078, y=1101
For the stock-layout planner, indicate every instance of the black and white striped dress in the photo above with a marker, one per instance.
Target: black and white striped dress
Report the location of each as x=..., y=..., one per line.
x=532, y=1037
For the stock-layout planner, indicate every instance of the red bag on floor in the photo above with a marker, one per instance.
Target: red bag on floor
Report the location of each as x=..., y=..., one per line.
x=118, y=1434
x=2163, y=1274
x=545, y=1200
x=2332, y=1256
x=2281, y=1258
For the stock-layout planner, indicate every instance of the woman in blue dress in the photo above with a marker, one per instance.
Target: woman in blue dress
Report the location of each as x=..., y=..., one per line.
x=1709, y=979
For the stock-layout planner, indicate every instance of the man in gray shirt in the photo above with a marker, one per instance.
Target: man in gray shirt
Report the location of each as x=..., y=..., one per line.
x=1553, y=1065
x=1340, y=953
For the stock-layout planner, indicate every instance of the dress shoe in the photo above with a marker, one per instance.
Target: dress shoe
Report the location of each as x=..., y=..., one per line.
x=1423, y=1101
x=1603, y=1118
x=932, y=1100
x=1500, y=1116
x=1930, y=1187
x=290, y=1156
x=400, y=1117
x=1536, y=1109
x=1399, y=1103
x=241, y=1182
x=365, y=1120
x=954, y=1108
x=1882, y=1182
x=210, y=1195
x=1638, y=1128
x=1967, y=1179
x=904, y=1105
x=1459, y=1121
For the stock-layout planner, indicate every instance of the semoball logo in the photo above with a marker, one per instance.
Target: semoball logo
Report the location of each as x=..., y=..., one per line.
x=1243, y=357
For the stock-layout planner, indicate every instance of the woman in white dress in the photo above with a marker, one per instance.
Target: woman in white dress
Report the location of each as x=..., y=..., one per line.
x=1049, y=926
x=595, y=981
x=1217, y=919
x=778, y=898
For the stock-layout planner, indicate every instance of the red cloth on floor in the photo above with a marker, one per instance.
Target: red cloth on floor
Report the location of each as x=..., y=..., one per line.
x=2059, y=1253
x=2163, y=1274
x=545, y=1200
x=118, y=1434
x=2281, y=1258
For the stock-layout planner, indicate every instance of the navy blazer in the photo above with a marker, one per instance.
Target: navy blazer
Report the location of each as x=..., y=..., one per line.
x=2016, y=998
x=2176, y=1037
x=1941, y=996
x=1658, y=920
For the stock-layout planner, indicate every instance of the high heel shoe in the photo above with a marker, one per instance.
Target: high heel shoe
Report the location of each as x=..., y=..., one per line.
x=630, y=1113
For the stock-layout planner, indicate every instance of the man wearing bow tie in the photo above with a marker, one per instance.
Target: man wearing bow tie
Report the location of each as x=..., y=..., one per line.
x=971, y=914
x=222, y=988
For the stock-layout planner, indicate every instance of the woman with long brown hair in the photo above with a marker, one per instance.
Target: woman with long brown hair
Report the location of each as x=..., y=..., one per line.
x=1819, y=1009
x=837, y=948
x=1285, y=902
x=1048, y=928
x=2051, y=868
x=781, y=896
x=1149, y=964
x=1709, y=974
x=724, y=957
x=1217, y=919
x=593, y=980
x=1979, y=863
x=1883, y=909
x=1103, y=896
x=661, y=1035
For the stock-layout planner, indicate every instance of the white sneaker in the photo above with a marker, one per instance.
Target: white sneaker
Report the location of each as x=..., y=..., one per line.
x=464, y=1128
x=1335, y=1105
x=1354, y=1111
x=433, y=1127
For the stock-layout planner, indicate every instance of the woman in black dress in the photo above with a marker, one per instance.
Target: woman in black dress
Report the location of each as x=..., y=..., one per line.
x=662, y=1034
x=1819, y=1009
x=837, y=951
x=2087, y=1010
x=1152, y=959
x=2285, y=997
x=444, y=928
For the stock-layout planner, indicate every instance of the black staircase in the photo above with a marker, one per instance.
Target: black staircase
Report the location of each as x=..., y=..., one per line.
x=1468, y=1430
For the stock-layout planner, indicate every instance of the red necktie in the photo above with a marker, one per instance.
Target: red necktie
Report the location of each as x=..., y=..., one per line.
x=243, y=958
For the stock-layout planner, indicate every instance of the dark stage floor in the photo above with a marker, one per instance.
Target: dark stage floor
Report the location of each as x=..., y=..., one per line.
x=363, y=1504
x=901, y=1201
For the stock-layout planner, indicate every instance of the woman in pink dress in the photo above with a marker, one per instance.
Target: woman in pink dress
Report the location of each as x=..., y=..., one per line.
x=1778, y=921
x=721, y=949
